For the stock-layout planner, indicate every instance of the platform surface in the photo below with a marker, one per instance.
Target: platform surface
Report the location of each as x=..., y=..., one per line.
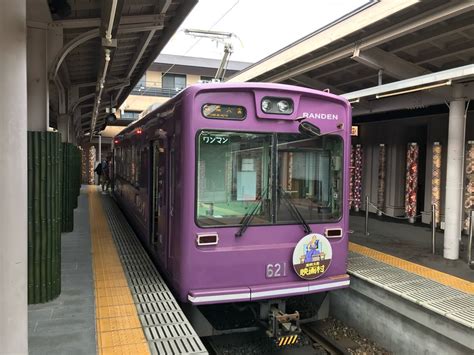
x=410, y=242
x=113, y=300
x=444, y=294
x=66, y=325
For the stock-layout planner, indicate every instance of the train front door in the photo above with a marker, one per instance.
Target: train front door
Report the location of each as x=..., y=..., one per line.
x=159, y=235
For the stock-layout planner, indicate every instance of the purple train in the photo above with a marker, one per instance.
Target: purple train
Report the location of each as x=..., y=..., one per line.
x=240, y=191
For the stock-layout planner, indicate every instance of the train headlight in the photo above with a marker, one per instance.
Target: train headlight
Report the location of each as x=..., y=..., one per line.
x=283, y=106
x=277, y=105
x=266, y=105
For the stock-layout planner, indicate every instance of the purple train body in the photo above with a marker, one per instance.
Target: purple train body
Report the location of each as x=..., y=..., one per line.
x=218, y=156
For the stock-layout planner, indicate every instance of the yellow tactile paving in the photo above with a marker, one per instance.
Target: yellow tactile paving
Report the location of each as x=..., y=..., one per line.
x=441, y=277
x=118, y=328
x=122, y=337
x=118, y=323
x=115, y=311
x=113, y=291
x=113, y=300
x=125, y=349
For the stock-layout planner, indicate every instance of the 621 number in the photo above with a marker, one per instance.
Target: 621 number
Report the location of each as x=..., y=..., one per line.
x=275, y=270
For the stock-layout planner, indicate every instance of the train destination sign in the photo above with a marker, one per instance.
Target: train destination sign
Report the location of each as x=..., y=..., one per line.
x=312, y=256
x=228, y=112
x=214, y=139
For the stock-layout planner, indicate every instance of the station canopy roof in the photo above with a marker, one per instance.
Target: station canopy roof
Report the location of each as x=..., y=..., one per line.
x=379, y=51
x=105, y=48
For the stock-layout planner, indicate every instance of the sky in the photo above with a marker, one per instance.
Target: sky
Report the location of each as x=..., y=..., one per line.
x=262, y=27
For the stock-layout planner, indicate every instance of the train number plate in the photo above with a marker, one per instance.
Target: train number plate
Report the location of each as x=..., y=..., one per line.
x=275, y=270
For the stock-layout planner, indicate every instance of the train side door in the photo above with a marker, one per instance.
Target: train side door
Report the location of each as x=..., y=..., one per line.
x=160, y=198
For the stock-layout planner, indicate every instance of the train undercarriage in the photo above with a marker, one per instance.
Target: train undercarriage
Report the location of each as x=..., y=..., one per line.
x=280, y=319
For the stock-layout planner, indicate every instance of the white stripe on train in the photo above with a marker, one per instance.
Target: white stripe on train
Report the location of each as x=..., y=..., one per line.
x=281, y=292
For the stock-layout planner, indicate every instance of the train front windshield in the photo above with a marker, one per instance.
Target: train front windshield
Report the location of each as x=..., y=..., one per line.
x=234, y=177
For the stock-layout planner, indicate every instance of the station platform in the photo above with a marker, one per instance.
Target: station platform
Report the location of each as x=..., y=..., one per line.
x=393, y=266
x=409, y=242
x=113, y=300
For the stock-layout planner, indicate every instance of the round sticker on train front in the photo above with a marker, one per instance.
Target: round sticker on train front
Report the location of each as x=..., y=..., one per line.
x=312, y=256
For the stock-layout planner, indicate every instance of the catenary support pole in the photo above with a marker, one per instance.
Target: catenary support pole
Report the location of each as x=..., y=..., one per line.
x=456, y=140
x=13, y=179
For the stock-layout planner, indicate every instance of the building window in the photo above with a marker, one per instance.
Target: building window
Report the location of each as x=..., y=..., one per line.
x=175, y=82
x=130, y=115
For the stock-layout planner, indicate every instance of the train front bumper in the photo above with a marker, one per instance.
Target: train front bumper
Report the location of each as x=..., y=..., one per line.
x=254, y=293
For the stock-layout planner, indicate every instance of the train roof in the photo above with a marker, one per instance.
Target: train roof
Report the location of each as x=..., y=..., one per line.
x=196, y=88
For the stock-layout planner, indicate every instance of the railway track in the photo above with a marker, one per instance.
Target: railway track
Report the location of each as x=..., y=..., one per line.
x=317, y=338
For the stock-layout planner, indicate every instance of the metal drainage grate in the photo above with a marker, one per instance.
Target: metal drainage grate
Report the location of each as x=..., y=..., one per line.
x=168, y=331
x=444, y=300
x=175, y=346
x=165, y=326
x=157, y=307
x=148, y=289
x=416, y=285
x=467, y=315
x=162, y=318
x=454, y=304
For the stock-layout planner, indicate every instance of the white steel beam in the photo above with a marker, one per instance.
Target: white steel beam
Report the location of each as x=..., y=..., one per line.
x=315, y=84
x=391, y=65
x=96, y=22
x=415, y=100
x=166, y=5
x=143, y=45
x=86, y=36
x=353, y=24
x=454, y=74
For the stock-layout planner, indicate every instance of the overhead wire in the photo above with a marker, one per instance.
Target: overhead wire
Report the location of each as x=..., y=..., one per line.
x=199, y=39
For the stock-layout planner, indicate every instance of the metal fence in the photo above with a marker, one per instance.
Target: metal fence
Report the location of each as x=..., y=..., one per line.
x=152, y=88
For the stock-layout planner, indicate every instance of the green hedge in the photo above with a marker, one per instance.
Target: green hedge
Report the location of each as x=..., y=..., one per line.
x=71, y=184
x=44, y=216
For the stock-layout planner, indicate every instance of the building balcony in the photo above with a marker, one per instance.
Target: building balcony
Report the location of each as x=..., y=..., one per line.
x=154, y=89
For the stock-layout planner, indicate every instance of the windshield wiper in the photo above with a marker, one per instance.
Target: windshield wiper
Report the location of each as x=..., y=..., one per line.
x=250, y=214
x=294, y=211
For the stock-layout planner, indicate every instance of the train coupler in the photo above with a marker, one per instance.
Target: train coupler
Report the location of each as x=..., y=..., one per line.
x=283, y=327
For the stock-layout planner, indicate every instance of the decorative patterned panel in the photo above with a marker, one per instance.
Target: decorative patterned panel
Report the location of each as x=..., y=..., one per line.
x=91, y=165
x=381, y=181
x=411, y=182
x=436, y=180
x=351, y=179
x=469, y=189
x=357, y=184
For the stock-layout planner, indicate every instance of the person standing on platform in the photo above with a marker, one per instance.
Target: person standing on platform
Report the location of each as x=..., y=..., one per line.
x=105, y=176
x=98, y=170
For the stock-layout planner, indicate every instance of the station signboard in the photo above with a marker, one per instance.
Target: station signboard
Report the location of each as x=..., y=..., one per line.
x=355, y=131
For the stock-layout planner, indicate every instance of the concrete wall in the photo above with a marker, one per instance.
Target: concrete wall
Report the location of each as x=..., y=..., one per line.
x=396, y=134
x=400, y=326
x=192, y=79
x=153, y=78
x=142, y=102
